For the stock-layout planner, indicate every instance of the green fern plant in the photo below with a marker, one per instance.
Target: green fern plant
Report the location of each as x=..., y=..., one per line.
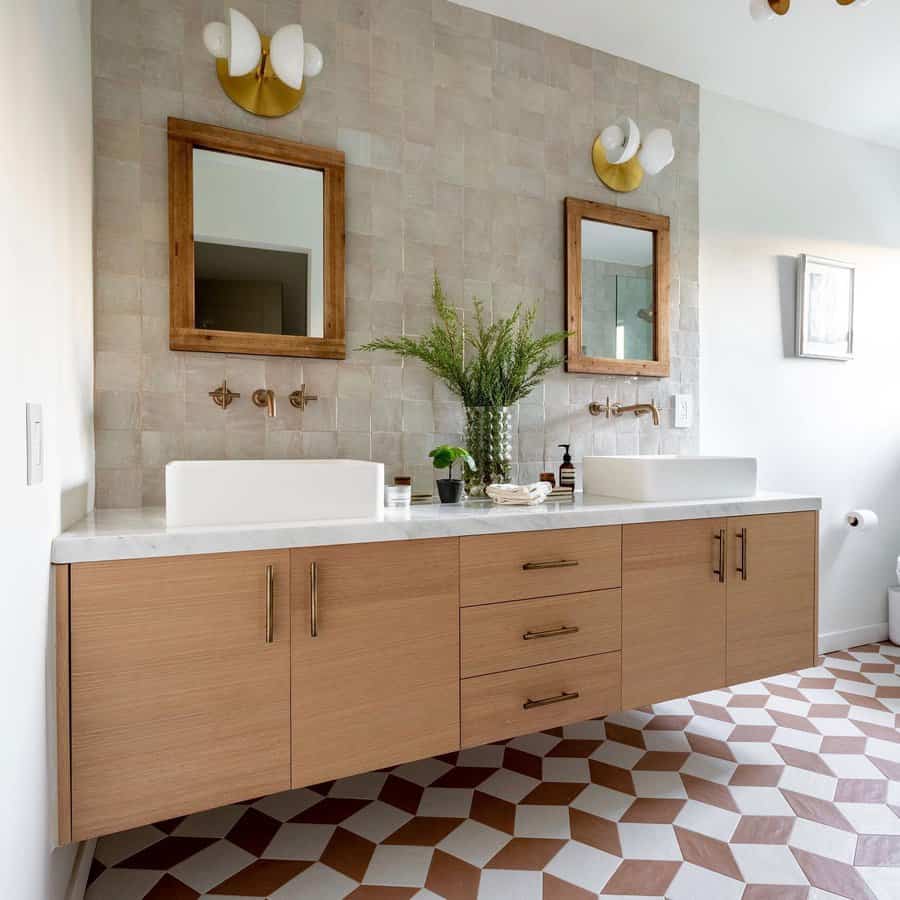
x=491, y=365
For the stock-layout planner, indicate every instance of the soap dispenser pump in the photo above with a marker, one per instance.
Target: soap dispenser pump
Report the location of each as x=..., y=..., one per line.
x=567, y=470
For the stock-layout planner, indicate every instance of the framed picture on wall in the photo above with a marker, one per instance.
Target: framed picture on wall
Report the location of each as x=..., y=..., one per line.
x=825, y=289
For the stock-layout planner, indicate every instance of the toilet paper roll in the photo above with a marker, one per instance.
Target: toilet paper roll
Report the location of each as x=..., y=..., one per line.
x=863, y=519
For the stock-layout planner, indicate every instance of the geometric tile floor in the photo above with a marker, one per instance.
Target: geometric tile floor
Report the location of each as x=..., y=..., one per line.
x=783, y=789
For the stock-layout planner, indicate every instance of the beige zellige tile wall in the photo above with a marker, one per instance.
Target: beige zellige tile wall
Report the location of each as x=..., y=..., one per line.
x=463, y=134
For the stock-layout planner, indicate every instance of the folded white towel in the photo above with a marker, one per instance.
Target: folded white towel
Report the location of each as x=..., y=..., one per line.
x=519, y=494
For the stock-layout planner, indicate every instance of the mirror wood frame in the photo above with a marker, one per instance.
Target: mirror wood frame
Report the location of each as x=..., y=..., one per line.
x=576, y=361
x=184, y=136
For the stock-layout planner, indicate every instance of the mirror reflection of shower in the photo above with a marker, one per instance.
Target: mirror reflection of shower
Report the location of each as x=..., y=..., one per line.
x=634, y=317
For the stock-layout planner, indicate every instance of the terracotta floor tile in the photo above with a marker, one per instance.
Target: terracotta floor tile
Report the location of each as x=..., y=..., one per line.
x=601, y=834
x=884, y=668
x=749, y=701
x=708, y=853
x=612, y=777
x=463, y=777
x=756, y=776
x=261, y=878
x=526, y=853
x=887, y=767
x=881, y=732
x=848, y=675
x=889, y=692
x=816, y=810
x=169, y=888
x=401, y=793
x=817, y=684
x=167, y=853
x=523, y=763
x=554, y=793
x=877, y=850
x=661, y=761
x=330, y=811
x=653, y=811
x=254, y=831
x=453, y=878
x=832, y=876
x=863, y=700
x=623, y=735
x=169, y=825
x=788, y=720
x=574, y=749
x=710, y=792
x=775, y=892
x=861, y=790
x=348, y=853
x=667, y=723
x=556, y=889
x=493, y=812
x=650, y=878
x=378, y=892
x=803, y=759
x=843, y=744
x=763, y=830
x=709, y=746
x=828, y=711
x=423, y=831
x=752, y=733
x=784, y=690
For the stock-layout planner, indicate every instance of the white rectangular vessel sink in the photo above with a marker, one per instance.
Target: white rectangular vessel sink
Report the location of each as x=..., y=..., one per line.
x=255, y=491
x=661, y=478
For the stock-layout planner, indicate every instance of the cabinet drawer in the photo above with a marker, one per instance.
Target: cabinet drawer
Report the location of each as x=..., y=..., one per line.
x=499, y=567
x=504, y=636
x=527, y=700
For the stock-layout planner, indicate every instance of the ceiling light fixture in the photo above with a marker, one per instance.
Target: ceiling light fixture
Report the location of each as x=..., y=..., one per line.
x=621, y=159
x=766, y=10
x=263, y=75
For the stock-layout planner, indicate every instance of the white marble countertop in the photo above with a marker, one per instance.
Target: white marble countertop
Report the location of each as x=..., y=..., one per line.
x=140, y=533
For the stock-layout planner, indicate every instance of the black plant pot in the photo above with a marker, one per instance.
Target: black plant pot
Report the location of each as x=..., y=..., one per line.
x=450, y=489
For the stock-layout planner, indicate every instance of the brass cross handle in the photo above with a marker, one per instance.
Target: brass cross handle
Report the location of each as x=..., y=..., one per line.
x=222, y=396
x=300, y=398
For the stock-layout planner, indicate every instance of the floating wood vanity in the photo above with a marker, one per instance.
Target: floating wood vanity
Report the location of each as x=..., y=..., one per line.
x=189, y=677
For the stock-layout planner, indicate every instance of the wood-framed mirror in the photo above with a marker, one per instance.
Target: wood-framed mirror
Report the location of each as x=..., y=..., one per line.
x=617, y=290
x=256, y=244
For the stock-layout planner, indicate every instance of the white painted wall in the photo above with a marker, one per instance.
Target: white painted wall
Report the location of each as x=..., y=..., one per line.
x=770, y=189
x=46, y=340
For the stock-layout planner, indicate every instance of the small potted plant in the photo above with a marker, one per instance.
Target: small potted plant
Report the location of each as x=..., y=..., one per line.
x=450, y=489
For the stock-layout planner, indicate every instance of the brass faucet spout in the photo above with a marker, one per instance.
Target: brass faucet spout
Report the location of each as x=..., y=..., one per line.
x=616, y=409
x=266, y=398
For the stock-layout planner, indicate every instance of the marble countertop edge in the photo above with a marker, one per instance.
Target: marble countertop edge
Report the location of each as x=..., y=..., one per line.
x=107, y=535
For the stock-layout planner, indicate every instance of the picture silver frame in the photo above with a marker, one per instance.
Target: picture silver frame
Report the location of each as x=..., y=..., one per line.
x=805, y=345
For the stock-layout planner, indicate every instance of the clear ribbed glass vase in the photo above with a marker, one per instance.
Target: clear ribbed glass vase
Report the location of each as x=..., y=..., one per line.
x=489, y=441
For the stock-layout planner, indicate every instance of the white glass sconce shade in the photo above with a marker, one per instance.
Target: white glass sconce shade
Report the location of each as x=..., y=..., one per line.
x=621, y=141
x=313, y=61
x=215, y=38
x=244, y=45
x=657, y=151
x=287, y=54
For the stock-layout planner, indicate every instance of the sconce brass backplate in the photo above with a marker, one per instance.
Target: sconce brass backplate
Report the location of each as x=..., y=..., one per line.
x=623, y=178
x=260, y=92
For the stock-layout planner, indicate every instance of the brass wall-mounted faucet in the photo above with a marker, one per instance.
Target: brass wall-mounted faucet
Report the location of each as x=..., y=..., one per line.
x=616, y=409
x=222, y=396
x=266, y=398
x=300, y=398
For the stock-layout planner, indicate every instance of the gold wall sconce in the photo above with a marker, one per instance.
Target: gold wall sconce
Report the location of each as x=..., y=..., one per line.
x=766, y=10
x=621, y=159
x=263, y=75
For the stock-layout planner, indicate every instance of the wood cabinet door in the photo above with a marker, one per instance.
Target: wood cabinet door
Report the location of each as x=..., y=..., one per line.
x=378, y=684
x=771, y=595
x=180, y=697
x=673, y=610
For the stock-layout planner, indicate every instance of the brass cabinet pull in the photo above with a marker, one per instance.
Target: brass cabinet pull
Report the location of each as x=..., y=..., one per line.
x=548, y=701
x=743, y=568
x=720, y=572
x=313, y=600
x=270, y=604
x=550, y=632
x=552, y=564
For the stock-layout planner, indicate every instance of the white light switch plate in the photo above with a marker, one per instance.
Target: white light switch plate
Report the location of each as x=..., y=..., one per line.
x=34, y=442
x=684, y=410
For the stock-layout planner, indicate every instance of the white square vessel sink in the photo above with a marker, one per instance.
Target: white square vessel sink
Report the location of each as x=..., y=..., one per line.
x=662, y=478
x=258, y=491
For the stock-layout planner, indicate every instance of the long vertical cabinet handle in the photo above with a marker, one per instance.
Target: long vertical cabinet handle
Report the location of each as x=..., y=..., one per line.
x=720, y=572
x=313, y=600
x=744, y=568
x=270, y=604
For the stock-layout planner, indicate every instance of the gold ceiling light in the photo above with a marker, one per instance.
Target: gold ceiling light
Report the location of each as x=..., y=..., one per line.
x=766, y=10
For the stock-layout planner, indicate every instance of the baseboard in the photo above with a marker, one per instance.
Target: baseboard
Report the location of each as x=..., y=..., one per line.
x=81, y=868
x=852, y=637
